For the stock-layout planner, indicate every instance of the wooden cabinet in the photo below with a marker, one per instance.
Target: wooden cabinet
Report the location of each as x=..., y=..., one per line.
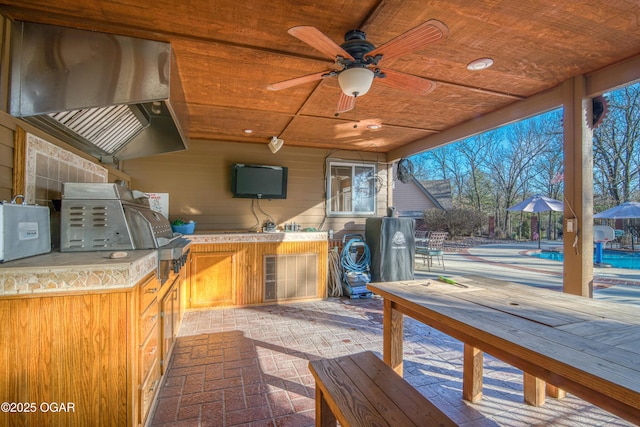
x=98, y=351
x=251, y=272
x=213, y=279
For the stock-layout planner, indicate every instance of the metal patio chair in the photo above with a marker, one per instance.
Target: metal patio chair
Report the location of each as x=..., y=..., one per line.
x=430, y=245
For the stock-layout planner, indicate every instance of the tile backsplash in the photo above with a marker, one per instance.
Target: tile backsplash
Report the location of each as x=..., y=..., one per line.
x=48, y=166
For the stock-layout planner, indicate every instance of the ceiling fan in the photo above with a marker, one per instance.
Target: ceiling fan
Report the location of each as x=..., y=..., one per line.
x=357, y=60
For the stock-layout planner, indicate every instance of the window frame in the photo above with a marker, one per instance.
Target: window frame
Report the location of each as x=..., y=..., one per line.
x=328, y=196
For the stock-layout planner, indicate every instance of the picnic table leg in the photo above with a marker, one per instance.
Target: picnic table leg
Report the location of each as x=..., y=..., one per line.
x=324, y=416
x=472, y=374
x=533, y=390
x=392, y=325
x=555, y=392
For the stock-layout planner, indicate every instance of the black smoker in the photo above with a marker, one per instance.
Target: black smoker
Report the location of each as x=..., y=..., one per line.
x=392, y=246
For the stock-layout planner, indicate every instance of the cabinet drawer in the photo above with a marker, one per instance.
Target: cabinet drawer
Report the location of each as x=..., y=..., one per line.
x=149, y=353
x=147, y=391
x=148, y=320
x=148, y=292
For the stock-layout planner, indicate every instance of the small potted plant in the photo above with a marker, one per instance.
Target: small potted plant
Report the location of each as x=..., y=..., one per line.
x=179, y=226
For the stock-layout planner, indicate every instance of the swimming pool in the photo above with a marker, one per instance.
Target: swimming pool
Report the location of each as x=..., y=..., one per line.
x=617, y=259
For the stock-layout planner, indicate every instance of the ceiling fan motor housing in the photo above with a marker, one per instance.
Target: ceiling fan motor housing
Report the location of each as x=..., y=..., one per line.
x=357, y=45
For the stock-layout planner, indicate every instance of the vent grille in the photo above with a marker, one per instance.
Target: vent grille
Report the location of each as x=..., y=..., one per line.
x=289, y=277
x=108, y=128
x=93, y=225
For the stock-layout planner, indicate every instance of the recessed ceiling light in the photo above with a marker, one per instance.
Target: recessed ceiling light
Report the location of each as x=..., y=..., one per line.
x=374, y=127
x=480, y=64
x=248, y=131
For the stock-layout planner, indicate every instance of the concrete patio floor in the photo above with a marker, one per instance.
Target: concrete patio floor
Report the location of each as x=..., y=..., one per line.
x=248, y=366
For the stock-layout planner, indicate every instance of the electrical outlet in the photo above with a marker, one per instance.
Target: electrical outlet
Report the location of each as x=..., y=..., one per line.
x=570, y=225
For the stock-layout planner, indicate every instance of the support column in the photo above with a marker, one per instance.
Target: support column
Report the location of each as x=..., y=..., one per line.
x=392, y=334
x=534, y=389
x=472, y=374
x=578, y=189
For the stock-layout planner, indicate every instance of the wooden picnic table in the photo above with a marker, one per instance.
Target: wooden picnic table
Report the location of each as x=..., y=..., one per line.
x=587, y=347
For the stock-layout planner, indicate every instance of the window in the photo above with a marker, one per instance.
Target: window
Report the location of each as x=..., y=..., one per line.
x=351, y=188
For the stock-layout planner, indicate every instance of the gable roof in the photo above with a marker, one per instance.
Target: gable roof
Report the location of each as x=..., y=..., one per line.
x=438, y=191
x=416, y=196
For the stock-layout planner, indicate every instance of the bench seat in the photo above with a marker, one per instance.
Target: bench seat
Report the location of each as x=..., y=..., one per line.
x=361, y=390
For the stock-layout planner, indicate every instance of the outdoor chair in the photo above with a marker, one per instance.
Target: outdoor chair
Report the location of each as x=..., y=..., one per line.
x=431, y=245
x=421, y=239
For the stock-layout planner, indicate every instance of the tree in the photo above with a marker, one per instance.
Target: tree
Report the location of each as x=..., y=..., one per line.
x=475, y=151
x=513, y=162
x=550, y=178
x=616, y=152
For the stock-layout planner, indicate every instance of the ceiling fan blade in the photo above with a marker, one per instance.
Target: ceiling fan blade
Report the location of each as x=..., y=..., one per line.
x=345, y=103
x=297, y=81
x=426, y=33
x=407, y=82
x=318, y=40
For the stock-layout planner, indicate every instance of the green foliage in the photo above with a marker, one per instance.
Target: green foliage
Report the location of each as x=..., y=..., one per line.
x=456, y=221
x=525, y=230
x=435, y=220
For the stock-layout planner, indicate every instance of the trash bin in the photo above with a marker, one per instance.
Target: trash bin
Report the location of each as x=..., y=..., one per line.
x=392, y=247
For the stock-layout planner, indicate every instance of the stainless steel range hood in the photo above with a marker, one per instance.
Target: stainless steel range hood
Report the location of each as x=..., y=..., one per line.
x=111, y=96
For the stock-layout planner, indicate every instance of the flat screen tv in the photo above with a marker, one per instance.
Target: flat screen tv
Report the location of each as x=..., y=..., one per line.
x=259, y=181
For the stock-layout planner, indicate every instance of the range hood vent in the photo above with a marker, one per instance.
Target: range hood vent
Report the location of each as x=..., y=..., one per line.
x=113, y=97
x=108, y=128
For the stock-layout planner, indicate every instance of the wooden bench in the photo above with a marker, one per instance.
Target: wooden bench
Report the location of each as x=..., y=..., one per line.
x=361, y=390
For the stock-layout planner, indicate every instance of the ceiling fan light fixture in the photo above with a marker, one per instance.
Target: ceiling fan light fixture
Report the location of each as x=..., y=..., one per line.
x=355, y=81
x=479, y=64
x=276, y=144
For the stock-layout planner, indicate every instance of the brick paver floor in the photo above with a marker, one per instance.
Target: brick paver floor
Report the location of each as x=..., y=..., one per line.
x=248, y=367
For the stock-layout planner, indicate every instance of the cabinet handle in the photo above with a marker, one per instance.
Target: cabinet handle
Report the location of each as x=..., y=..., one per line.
x=153, y=351
x=151, y=291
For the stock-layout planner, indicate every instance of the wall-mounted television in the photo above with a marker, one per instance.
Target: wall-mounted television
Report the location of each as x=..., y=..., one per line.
x=259, y=181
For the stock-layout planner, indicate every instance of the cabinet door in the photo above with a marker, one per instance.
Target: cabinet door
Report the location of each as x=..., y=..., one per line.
x=175, y=308
x=166, y=307
x=213, y=279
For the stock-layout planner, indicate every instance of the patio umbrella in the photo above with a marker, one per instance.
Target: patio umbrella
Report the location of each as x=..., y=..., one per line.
x=538, y=204
x=624, y=211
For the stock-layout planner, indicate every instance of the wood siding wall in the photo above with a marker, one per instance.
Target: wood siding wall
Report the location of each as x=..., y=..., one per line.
x=199, y=180
x=6, y=159
x=408, y=197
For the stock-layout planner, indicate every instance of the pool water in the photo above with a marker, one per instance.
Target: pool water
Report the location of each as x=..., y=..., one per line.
x=616, y=259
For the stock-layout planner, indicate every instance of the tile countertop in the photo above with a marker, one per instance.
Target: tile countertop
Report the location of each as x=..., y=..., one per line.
x=248, y=237
x=75, y=271
x=78, y=271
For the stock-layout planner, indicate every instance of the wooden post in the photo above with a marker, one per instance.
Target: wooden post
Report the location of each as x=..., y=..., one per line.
x=578, y=189
x=555, y=392
x=472, y=374
x=392, y=327
x=324, y=416
x=533, y=390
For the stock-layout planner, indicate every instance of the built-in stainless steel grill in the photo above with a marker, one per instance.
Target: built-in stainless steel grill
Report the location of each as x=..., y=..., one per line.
x=101, y=216
x=111, y=217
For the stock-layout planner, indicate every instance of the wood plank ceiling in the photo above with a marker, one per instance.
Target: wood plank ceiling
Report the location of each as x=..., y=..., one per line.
x=229, y=51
